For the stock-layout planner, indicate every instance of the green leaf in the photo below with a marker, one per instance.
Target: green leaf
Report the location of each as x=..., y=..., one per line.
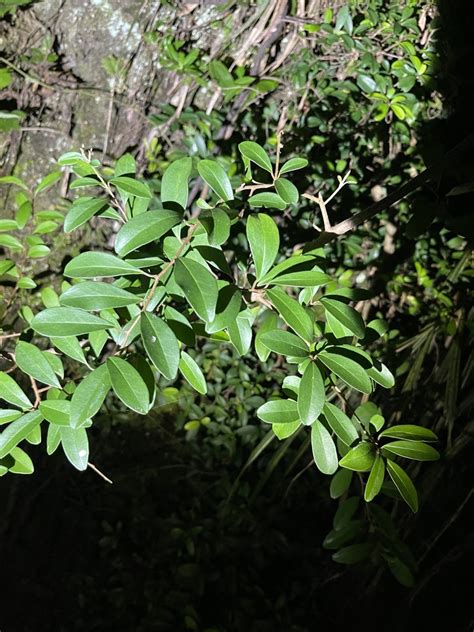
x=283, y=431
x=89, y=265
x=360, y=459
x=353, y=554
x=131, y=187
x=414, y=450
x=199, y=286
x=228, y=307
x=292, y=313
x=287, y=191
x=8, y=414
x=347, y=369
x=302, y=263
x=324, y=450
x=192, y=373
x=89, y=395
x=345, y=314
x=143, y=229
x=53, y=439
x=267, y=200
x=81, y=212
x=284, y=343
x=408, y=431
x=311, y=395
x=375, y=480
x=340, y=483
x=382, y=375
x=303, y=278
x=279, y=411
x=160, y=344
x=60, y=322
x=76, y=446
x=10, y=392
x=240, y=332
x=17, y=431
x=220, y=74
x=96, y=295
x=214, y=175
x=174, y=186
x=23, y=463
x=125, y=165
x=293, y=164
x=128, y=385
x=337, y=538
x=56, y=411
x=8, y=224
x=404, y=485
x=270, y=322
x=217, y=225
x=71, y=347
x=264, y=241
x=256, y=153
x=8, y=241
x=33, y=362
x=340, y=424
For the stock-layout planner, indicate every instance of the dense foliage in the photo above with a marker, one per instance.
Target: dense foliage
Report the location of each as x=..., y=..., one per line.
x=222, y=276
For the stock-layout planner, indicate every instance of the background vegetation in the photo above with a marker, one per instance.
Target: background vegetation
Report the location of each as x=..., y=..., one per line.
x=209, y=525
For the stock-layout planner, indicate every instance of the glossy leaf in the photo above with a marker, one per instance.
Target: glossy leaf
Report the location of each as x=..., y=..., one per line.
x=293, y=164
x=89, y=395
x=304, y=278
x=414, y=450
x=279, y=411
x=324, y=449
x=228, y=307
x=18, y=430
x=192, y=373
x=410, y=432
x=375, y=480
x=256, y=153
x=264, y=241
x=81, y=212
x=23, y=463
x=59, y=322
x=160, y=344
x=340, y=424
x=56, y=411
x=10, y=392
x=143, y=229
x=345, y=314
x=89, y=265
x=287, y=191
x=284, y=343
x=174, y=186
x=96, y=295
x=267, y=200
x=33, y=362
x=311, y=395
x=340, y=483
x=128, y=385
x=292, y=313
x=404, y=485
x=359, y=459
x=199, y=286
x=214, y=175
x=76, y=446
x=347, y=369
x=382, y=375
x=130, y=186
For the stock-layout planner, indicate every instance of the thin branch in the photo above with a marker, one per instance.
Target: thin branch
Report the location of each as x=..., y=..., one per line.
x=101, y=474
x=393, y=198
